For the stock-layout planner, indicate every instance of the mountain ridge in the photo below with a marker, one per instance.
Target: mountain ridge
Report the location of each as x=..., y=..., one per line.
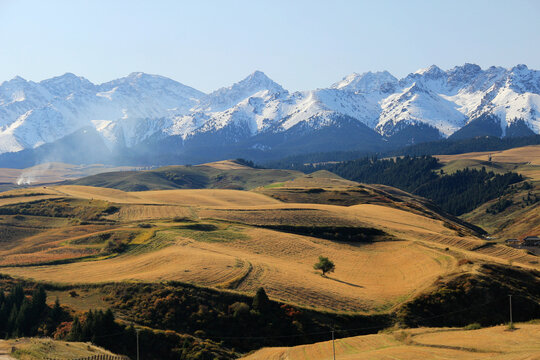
x=426, y=105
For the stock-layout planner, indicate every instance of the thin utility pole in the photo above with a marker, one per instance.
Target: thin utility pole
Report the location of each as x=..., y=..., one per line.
x=510, y=296
x=137, y=343
x=333, y=344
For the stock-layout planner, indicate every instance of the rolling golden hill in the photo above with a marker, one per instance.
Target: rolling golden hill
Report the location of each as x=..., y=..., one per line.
x=242, y=240
x=422, y=343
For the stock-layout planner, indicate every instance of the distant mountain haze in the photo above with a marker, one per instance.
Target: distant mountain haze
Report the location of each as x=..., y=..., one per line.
x=149, y=118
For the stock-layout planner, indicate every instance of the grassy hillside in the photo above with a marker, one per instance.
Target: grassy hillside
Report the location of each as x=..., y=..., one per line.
x=516, y=213
x=323, y=187
x=44, y=348
x=422, y=343
x=388, y=245
x=523, y=160
x=219, y=175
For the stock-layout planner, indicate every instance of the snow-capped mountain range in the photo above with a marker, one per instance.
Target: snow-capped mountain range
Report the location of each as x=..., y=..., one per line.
x=260, y=115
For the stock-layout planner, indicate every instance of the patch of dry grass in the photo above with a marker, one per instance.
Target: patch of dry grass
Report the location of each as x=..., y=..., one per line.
x=38, y=349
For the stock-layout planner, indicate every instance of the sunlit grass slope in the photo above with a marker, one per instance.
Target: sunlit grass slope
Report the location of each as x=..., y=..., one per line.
x=424, y=343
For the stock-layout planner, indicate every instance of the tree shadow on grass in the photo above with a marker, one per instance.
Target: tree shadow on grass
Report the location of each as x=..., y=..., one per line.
x=343, y=282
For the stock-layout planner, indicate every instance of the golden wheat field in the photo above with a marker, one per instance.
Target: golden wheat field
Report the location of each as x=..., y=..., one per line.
x=524, y=160
x=525, y=154
x=190, y=197
x=49, y=244
x=367, y=277
x=18, y=200
x=424, y=343
x=207, y=198
x=233, y=250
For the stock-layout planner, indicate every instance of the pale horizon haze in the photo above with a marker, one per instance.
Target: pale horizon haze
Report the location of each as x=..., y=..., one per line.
x=299, y=44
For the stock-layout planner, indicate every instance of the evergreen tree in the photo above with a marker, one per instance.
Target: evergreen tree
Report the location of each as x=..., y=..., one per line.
x=76, y=330
x=3, y=319
x=39, y=302
x=261, y=301
x=10, y=326
x=23, y=322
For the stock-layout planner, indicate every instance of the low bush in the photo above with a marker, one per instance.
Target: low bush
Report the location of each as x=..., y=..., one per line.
x=473, y=326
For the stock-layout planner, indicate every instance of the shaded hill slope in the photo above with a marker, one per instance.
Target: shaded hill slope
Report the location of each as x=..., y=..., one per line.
x=218, y=175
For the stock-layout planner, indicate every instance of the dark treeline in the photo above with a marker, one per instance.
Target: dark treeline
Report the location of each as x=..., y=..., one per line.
x=174, y=321
x=407, y=173
x=456, y=193
x=28, y=316
x=25, y=313
x=441, y=147
x=481, y=143
x=297, y=162
x=466, y=189
x=100, y=328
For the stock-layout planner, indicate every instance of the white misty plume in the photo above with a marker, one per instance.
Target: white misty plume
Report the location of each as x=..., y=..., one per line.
x=25, y=179
x=33, y=174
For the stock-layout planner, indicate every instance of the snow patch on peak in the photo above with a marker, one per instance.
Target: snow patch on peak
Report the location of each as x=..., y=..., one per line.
x=431, y=71
x=367, y=82
x=417, y=104
x=226, y=97
x=522, y=80
x=67, y=84
x=257, y=81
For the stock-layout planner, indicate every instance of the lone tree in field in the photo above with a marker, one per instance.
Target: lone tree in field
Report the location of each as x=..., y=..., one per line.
x=325, y=265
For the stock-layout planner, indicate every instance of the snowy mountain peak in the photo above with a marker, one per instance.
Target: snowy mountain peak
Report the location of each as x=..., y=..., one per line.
x=521, y=79
x=258, y=81
x=67, y=84
x=141, y=77
x=16, y=83
x=425, y=105
x=432, y=74
x=136, y=74
x=18, y=90
x=227, y=97
x=466, y=70
x=16, y=79
x=135, y=78
x=257, y=75
x=141, y=85
x=433, y=71
x=520, y=68
x=367, y=82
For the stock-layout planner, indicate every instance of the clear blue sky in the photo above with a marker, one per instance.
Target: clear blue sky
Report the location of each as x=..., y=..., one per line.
x=300, y=44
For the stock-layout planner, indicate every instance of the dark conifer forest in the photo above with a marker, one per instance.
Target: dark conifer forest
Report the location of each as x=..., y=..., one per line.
x=456, y=193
